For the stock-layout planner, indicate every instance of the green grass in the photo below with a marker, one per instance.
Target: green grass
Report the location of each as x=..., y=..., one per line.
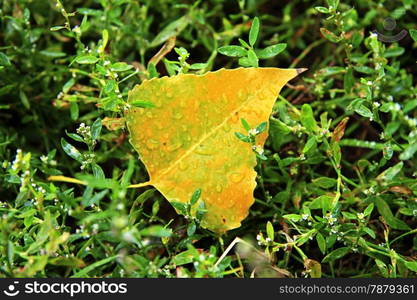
x=337, y=187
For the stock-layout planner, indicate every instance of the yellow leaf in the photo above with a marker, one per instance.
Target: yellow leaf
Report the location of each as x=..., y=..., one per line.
x=187, y=141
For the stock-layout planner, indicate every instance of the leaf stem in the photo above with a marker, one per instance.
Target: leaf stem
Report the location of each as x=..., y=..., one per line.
x=139, y=185
x=73, y=180
x=66, y=179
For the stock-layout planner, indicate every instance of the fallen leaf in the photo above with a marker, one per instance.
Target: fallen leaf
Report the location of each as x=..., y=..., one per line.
x=313, y=268
x=401, y=189
x=339, y=131
x=187, y=141
x=113, y=123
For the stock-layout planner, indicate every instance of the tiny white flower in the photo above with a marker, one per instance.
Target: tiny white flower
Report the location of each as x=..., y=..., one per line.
x=253, y=132
x=258, y=149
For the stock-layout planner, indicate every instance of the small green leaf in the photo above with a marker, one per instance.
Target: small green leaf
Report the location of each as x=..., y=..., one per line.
x=86, y=59
x=413, y=34
x=191, y=229
x=244, y=44
x=196, y=195
x=409, y=151
x=184, y=257
x=75, y=137
x=53, y=54
x=329, y=35
x=307, y=118
x=336, y=254
x=270, y=51
x=411, y=265
x=24, y=99
x=311, y=143
x=233, y=51
x=156, y=230
x=242, y=137
x=369, y=231
x=323, y=202
x=198, y=66
x=382, y=267
x=56, y=28
x=261, y=127
x=254, y=31
x=121, y=67
x=252, y=58
x=270, y=231
x=292, y=217
x=181, y=207
x=74, y=110
x=96, y=129
x=4, y=60
x=245, y=124
x=321, y=242
x=172, y=29
x=364, y=111
x=322, y=9
x=391, y=172
x=390, y=219
x=84, y=271
x=68, y=85
x=71, y=151
x=144, y=104
x=349, y=80
x=104, y=39
x=325, y=182
x=245, y=62
x=349, y=215
x=369, y=209
x=152, y=71
x=98, y=171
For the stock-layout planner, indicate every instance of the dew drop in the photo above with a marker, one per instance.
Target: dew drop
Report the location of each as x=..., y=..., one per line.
x=236, y=177
x=227, y=127
x=262, y=96
x=168, y=93
x=183, y=166
x=158, y=102
x=159, y=125
x=177, y=115
x=152, y=144
x=219, y=188
x=149, y=114
x=174, y=146
x=204, y=150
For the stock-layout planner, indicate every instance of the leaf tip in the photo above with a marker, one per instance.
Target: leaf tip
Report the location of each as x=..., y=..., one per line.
x=301, y=70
